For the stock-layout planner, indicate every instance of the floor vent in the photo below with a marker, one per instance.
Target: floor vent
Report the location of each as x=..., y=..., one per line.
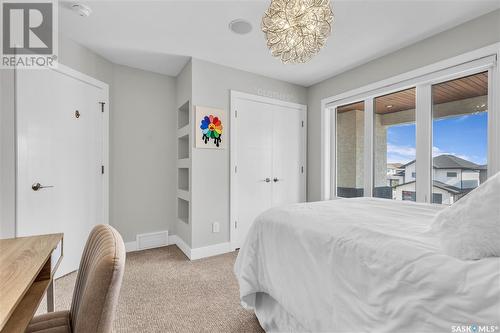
x=152, y=240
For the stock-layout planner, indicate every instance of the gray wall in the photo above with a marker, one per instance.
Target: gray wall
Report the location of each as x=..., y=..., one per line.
x=142, y=152
x=211, y=86
x=471, y=35
x=84, y=60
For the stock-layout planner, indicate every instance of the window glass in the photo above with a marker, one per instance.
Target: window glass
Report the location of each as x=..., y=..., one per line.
x=394, y=146
x=350, y=147
x=460, y=137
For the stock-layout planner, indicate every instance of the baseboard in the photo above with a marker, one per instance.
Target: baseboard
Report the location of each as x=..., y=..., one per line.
x=192, y=254
x=131, y=246
x=211, y=250
x=174, y=239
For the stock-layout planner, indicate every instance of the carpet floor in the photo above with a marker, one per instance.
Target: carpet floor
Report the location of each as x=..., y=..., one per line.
x=163, y=291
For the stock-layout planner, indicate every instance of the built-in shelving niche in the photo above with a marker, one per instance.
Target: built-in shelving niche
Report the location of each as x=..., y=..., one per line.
x=183, y=115
x=183, y=210
x=183, y=179
x=183, y=162
x=183, y=147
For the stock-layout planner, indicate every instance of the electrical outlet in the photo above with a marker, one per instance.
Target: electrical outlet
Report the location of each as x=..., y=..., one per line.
x=215, y=227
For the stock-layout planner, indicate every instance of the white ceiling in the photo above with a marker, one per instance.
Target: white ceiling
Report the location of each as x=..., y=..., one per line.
x=160, y=36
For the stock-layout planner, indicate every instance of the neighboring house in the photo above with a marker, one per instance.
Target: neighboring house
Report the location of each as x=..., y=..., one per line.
x=453, y=177
x=441, y=192
x=395, y=174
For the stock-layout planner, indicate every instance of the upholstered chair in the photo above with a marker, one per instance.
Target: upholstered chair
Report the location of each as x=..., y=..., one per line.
x=96, y=290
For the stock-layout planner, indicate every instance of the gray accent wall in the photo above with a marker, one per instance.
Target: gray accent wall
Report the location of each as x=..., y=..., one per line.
x=477, y=33
x=142, y=152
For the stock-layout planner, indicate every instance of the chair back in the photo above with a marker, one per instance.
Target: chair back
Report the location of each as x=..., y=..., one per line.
x=98, y=282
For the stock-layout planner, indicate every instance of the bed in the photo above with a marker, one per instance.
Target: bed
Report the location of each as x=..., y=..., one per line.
x=361, y=265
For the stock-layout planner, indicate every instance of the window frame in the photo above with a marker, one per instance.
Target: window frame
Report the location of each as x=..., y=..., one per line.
x=484, y=59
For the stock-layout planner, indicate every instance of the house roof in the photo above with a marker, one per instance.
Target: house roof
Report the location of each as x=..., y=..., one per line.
x=394, y=165
x=444, y=186
x=441, y=185
x=452, y=162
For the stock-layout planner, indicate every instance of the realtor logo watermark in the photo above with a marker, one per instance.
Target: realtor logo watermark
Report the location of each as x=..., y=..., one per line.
x=29, y=33
x=474, y=328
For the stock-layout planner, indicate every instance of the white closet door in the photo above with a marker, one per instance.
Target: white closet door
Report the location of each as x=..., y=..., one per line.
x=254, y=167
x=57, y=149
x=288, y=158
x=268, y=152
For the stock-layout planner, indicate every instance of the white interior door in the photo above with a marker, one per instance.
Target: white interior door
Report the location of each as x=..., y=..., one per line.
x=254, y=167
x=288, y=156
x=58, y=149
x=268, y=152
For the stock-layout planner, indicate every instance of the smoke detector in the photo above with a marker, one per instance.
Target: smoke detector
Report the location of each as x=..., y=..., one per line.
x=81, y=9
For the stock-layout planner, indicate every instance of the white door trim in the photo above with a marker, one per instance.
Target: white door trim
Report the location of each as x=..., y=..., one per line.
x=105, y=135
x=235, y=95
x=462, y=65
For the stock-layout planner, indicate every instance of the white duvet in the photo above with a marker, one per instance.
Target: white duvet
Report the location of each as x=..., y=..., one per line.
x=361, y=265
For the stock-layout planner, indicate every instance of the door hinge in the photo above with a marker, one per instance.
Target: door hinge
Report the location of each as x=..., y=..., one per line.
x=102, y=106
x=235, y=224
x=302, y=169
x=302, y=123
x=235, y=169
x=102, y=169
x=235, y=113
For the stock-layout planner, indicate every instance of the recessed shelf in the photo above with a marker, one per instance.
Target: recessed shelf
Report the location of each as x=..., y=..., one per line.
x=184, y=163
x=183, y=179
x=183, y=115
x=183, y=194
x=183, y=210
x=183, y=147
x=183, y=131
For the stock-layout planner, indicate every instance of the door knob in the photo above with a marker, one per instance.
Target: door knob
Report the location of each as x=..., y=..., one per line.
x=37, y=186
x=267, y=180
x=276, y=180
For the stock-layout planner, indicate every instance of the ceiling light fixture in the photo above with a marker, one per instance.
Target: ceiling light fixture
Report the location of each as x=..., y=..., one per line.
x=297, y=29
x=240, y=26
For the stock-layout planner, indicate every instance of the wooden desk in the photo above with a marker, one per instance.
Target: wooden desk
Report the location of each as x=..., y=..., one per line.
x=27, y=266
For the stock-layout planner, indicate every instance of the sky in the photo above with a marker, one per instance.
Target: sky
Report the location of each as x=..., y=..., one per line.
x=463, y=136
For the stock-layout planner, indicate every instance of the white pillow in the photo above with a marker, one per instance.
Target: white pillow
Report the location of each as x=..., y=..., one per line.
x=470, y=228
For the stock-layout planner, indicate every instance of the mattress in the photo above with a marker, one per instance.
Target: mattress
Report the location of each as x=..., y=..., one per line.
x=361, y=265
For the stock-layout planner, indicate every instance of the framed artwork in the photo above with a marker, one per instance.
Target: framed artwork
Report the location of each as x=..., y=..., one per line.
x=210, y=128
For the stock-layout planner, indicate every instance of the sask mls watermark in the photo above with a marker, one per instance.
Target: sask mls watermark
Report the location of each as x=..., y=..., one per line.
x=474, y=328
x=29, y=33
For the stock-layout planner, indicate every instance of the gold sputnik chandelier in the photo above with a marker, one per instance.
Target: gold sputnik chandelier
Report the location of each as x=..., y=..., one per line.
x=297, y=29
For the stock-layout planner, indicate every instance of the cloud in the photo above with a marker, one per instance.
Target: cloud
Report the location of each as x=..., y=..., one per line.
x=400, y=154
